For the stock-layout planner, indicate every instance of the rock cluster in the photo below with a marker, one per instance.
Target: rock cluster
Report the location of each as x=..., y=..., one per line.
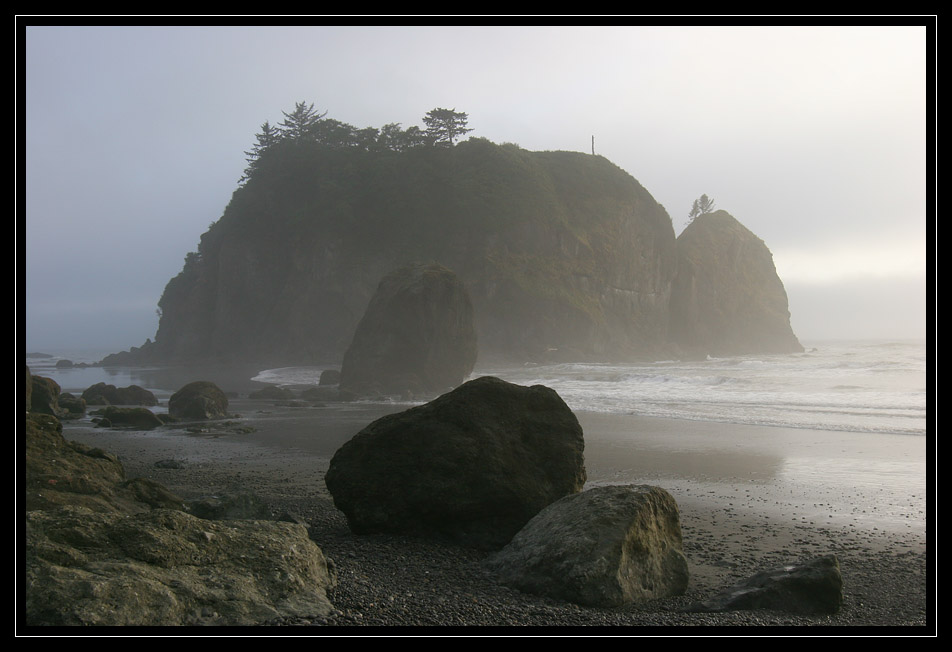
x=104, y=394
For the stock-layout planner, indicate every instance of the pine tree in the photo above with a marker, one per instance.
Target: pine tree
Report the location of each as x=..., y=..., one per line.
x=701, y=206
x=299, y=124
x=268, y=137
x=444, y=126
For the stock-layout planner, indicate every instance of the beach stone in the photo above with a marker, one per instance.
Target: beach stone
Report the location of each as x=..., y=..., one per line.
x=199, y=400
x=416, y=337
x=104, y=394
x=811, y=587
x=166, y=567
x=73, y=406
x=129, y=417
x=604, y=547
x=473, y=465
x=44, y=396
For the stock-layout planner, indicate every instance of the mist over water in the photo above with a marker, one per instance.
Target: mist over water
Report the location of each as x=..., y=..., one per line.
x=850, y=386
x=862, y=386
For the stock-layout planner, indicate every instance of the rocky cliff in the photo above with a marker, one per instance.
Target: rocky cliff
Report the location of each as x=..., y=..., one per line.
x=565, y=256
x=727, y=298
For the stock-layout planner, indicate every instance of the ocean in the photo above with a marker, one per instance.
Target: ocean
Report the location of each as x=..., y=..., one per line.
x=855, y=386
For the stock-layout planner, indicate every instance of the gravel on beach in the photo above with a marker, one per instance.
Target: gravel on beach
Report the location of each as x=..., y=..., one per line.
x=399, y=584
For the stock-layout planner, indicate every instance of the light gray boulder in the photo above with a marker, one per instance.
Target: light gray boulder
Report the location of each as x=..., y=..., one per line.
x=604, y=547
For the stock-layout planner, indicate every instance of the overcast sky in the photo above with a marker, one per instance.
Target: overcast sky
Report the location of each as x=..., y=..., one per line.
x=815, y=138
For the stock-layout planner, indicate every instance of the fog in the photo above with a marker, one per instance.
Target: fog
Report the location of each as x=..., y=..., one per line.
x=818, y=139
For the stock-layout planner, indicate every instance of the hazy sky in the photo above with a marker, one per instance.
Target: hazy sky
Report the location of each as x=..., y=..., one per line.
x=815, y=138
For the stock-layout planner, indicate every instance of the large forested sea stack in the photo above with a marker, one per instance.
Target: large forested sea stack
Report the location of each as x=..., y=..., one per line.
x=565, y=255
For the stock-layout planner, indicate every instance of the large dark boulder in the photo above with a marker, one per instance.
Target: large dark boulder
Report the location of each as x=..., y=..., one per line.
x=199, y=400
x=604, y=547
x=473, y=465
x=727, y=298
x=814, y=586
x=416, y=336
x=103, y=394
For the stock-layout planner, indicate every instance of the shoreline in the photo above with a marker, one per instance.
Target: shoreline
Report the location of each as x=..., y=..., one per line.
x=764, y=502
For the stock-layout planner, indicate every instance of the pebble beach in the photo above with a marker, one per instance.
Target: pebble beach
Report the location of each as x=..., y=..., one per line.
x=750, y=497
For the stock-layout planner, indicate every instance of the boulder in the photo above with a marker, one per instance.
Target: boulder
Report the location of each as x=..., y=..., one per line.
x=72, y=406
x=416, y=336
x=473, y=465
x=44, y=396
x=811, y=587
x=129, y=417
x=604, y=547
x=103, y=394
x=166, y=567
x=64, y=364
x=199, y=400
x=330, y=377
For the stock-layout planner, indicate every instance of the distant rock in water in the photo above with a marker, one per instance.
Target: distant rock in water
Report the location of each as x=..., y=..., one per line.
x=417, y=336
x=473, y=465
x=727, y=298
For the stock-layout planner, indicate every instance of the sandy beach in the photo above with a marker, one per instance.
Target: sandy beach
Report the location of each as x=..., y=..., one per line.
x=751, y=498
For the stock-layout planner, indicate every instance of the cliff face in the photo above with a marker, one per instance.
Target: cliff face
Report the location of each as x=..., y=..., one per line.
x=564, y=254
x=565, y=257
x=727, y=298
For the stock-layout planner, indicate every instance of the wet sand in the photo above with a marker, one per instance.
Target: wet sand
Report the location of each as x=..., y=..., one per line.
x=751, y=498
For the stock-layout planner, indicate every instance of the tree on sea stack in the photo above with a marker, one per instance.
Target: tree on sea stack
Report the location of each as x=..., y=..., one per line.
x=444, y=126
x=701, y=206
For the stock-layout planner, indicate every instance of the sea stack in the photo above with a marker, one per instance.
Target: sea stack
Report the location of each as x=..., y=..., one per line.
x=416, y=337
x=727, y=298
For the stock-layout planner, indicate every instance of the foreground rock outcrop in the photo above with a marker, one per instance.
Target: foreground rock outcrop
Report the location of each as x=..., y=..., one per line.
x=727, y=298
x=604, y=547
x=416, y=338
x=105, y=550
x=473, y=465
x=166, y=567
